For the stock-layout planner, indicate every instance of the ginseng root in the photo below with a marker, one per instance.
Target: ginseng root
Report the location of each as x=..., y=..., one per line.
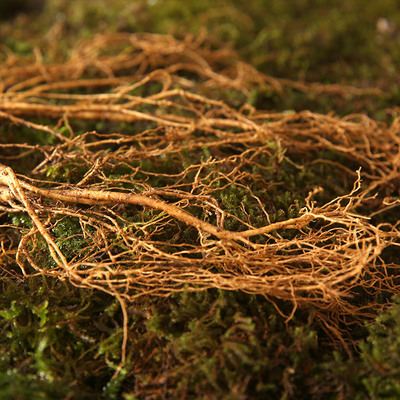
x=13, y=188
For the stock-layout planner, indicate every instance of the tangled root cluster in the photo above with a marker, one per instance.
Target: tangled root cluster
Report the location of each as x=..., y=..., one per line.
x=152, y=117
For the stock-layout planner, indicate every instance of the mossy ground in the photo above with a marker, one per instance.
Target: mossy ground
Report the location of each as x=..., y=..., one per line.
x=62, y=342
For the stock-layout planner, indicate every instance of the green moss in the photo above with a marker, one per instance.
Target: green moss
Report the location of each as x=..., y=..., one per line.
x=372, y=375
x=58, y=341
x=381, y=355
x=14, y=385
x=21, y=220
x=51, y=344
x=217, y=341
x=70, y=238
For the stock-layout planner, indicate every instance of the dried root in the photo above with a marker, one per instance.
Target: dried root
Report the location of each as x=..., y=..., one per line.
x=164, y=227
